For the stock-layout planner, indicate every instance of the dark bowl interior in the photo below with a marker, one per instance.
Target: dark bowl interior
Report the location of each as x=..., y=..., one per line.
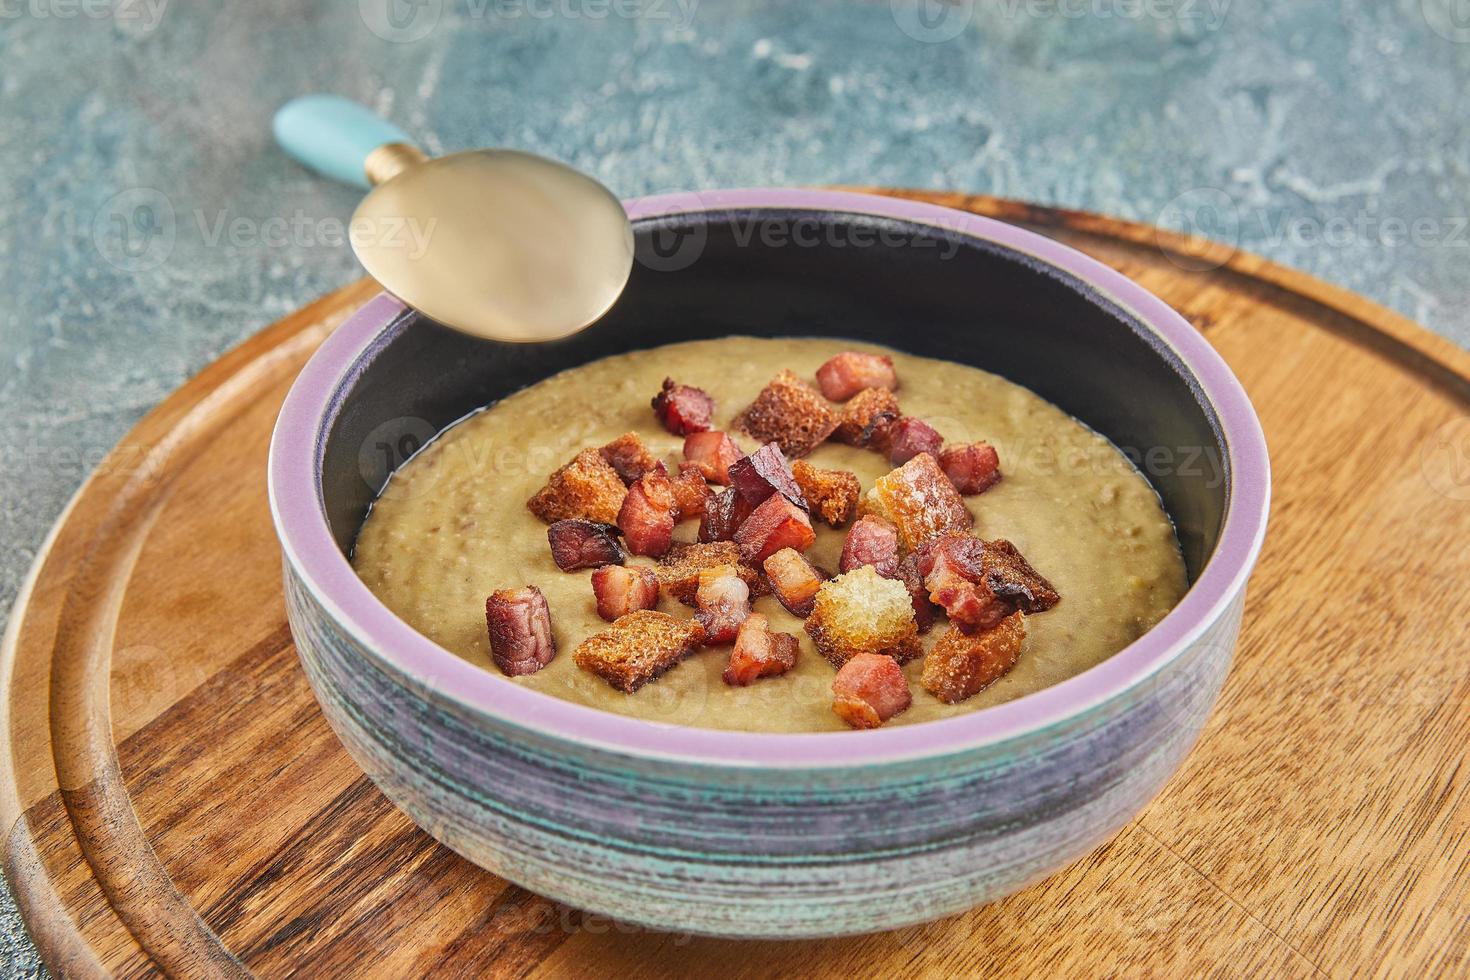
x=816, y=274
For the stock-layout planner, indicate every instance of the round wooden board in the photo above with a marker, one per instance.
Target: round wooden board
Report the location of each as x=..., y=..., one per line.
x=176, y=803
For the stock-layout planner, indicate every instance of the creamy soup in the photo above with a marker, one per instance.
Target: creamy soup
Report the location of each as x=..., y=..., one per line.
x=452, y=526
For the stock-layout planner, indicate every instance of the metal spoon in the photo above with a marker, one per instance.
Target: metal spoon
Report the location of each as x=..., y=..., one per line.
x=499, y=244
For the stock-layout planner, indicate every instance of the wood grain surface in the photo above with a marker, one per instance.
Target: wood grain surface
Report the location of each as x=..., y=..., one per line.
x=175, y=802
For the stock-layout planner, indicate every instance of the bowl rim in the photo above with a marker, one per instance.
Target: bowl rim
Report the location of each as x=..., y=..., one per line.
x=299, y=514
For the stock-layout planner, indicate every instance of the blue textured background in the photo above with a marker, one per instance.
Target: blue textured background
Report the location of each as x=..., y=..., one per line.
x=135, y=243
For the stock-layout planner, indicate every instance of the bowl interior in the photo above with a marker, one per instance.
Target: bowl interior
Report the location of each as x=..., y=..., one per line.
x=921, y=289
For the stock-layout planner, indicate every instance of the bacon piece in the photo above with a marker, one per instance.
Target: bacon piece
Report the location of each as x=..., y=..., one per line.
x=683, y=408
x=870, y=541
x=866, y=418
x=678, y=571
x=723, y=601
x=851, y=371
x=830, y=494
x=691, y=493
x=920, y=501
x=1011, y=576
x=924, y=610
x=712, y=452
x=908, y=437
x=961, y=666
x=621, y=589
x=519, y=622
x=638, y=647
x=763, y=473
x=794, y=580
x=973, y=467
x=870, y=689
x=587, y=487
x=790, y=413
x=723, y=514
x=979, y=583
x=759, y=652
x=862, y=612
x=576, y=543
x=629, y=457
x=775, y=524
x=647, y=515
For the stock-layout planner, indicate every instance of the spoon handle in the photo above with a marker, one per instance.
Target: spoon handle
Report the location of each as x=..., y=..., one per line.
x=335, y=136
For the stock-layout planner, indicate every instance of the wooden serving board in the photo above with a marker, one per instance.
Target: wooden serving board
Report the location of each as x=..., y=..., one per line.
x=176, y=803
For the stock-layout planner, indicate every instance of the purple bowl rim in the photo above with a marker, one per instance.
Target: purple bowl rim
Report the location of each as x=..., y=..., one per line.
x=308, y=546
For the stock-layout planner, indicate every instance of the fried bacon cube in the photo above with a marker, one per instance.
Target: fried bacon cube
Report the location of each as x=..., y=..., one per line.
x=790, y=413
x=722, y=601
x=830, y=494
x=723, y=514
x=588, y=487
x=865, y=419
x=764, y=472
x=519, y=622
x=577, y=544
x=629, y=457
x=973, y=467
x=691, y=493
x=678, y=571
x=979, y=583
x=683, y=408
x=918, y=499
x=863, y=612
x=638, y=647
x=759, y=652
x=775, y=524
x=1011, y=576
x=851, y=371
x=924, y=609
x=647, y=515
x=712, y=452
x=621, y=589
x=870, y=689
x=961, y=666
x=908, y=437
x=794, y=580
x=870, y=541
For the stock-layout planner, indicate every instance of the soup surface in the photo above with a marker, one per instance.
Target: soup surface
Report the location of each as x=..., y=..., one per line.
x=452, y=526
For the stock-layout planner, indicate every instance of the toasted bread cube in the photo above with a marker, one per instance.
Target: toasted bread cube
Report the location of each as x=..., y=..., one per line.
x=790, y=413
x=712, y=452
x=775, y=524
x=832, y=495
x=587, y=488
x=961, y=666
x=759, y=652
x=691, y=493
x=866, y=418
x=519, y=622
x=870, y=689
x=918, y=499
x=1011, y=576
x=629, y=456
x=621, y=589
x=683, y=408
x=973, y=467
x=870, y=541
x=794, y=580
x=723, y=601
x=638, y=647
x=908, y=437
x=853, y=371
x=678, y=571
x=863, y=612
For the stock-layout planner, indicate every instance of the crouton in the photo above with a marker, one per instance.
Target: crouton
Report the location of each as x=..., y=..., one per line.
x=678, y=571
x=683, y=408
x=723, y=601
x=587, y=488
x=852, y=371
x=907, y=437
x=519, y=623
x=870, y=689
x=577, y=544
x=832, y=495
x=775, y=524
x=961, y=666
x=794, y=580
x=863, y=612
x=621, y=589
x=918, y=499
x=866, y=417
x=712, y=452
x=637, y=648
x=629, y=456
x=759, y=652
x=973, y=467
x=790, y=413
x=647, y=515
x=691, y=493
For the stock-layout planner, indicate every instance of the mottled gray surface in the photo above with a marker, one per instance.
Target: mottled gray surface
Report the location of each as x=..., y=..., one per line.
x=1332, y=140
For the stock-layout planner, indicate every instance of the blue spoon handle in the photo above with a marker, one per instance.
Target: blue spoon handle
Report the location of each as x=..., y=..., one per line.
x=333, y=135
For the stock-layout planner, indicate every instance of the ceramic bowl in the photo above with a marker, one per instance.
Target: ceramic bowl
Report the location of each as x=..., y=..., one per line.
x=768, y=835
